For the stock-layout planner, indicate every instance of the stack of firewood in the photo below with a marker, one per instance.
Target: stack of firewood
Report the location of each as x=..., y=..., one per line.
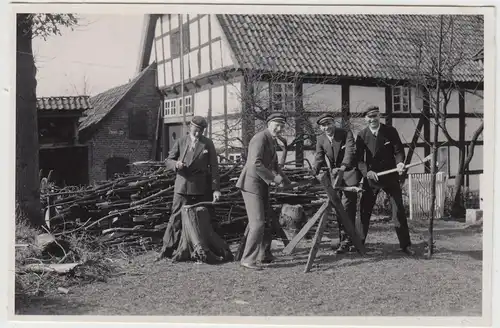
x=134, y=209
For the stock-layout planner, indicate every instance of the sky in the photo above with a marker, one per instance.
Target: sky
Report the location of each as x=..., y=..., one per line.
x=99, y=54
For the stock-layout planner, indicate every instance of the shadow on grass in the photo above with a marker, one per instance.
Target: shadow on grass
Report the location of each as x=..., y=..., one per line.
x=376, y=252
x=51, y=305
x=473, y=254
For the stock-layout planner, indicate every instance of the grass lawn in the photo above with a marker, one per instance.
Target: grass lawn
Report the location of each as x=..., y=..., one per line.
x=384, y=282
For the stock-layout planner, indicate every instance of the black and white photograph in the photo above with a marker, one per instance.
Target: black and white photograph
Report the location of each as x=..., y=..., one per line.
x=237, y=161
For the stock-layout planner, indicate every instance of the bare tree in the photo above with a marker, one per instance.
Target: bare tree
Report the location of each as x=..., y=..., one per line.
x=82, y=89
x=255, y=92
x=439, y=57
x=27, y=175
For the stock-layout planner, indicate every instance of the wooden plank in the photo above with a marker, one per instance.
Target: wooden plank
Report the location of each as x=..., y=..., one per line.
x=341, y=213
x=316, y=242
x=305, y=229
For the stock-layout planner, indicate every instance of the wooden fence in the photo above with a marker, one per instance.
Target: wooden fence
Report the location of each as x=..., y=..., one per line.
x=419, y=194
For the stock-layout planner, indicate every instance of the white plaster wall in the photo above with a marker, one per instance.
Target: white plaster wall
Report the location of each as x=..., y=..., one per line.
x=322, y=97
x=201, y=103
x=406, y=128
x=220, y=57
x=361, y=97
x=473, y=101
x=218, y=101
x=471, y=125
x=234, y=97
x=452, y=125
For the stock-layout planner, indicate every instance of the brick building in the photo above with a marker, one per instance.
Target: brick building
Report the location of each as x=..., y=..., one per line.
x=120, y=127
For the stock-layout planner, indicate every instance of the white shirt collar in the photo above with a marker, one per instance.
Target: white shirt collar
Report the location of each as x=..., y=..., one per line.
x=375, y=131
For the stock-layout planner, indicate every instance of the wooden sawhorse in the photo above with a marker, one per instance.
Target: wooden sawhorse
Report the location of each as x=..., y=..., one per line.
x=335, y=202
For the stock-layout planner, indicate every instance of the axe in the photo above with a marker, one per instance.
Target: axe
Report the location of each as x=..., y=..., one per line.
x=426, y=159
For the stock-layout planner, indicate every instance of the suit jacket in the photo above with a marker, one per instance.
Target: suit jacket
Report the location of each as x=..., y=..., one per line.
x=261, y=167
x=380, y=153
x=201, y=175
x=341, y=151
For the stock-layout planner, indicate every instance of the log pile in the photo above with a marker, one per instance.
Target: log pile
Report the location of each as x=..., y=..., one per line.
x=134, y=209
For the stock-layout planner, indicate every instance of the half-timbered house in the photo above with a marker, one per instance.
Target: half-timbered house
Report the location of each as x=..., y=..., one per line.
x=235, y=69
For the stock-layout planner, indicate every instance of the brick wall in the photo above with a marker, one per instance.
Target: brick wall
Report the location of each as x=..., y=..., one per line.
x=112, y=137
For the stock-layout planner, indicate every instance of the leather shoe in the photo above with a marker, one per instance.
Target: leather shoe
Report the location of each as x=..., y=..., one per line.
x=342, y=249
x=408, y=251
x=251, y=266
x=268, y=259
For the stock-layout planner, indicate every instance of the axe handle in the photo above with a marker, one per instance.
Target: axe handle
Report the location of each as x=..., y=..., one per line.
x=395, y=169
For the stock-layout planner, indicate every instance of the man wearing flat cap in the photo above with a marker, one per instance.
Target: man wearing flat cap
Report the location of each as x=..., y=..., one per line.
x=379, y=148
x=261, y=170
x=336, y=149
x=194, y=160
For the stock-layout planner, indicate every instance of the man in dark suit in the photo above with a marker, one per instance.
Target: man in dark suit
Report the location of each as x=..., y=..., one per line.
x=379, y=148
x=261, y=170
x=194, y=159
x=336, y=149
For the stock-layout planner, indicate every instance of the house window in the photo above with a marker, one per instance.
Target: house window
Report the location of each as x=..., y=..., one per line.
x=187, y=106
x=283, y=97
x=401, y=100
x=175, y=41
x=169, y=107
x=138, y=125
x=173, y=107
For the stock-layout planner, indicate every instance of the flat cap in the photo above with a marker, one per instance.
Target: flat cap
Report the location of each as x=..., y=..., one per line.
x=325, y=118
x=199, y=122
x=371, y=109
x=276, y=117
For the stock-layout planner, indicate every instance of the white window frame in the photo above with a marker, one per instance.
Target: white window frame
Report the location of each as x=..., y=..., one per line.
x=287, y=92
x=401, y=99
x=173, y=107
x=169, y=107
x=188, y=107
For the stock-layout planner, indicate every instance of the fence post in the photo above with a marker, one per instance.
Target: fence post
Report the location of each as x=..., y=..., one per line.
x=410, y=194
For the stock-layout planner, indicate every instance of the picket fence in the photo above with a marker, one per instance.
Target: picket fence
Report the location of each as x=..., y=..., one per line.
x=419, y=194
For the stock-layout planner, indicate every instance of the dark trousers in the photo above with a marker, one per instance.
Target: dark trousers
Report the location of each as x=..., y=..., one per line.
x=259, y=232
x=393, y=190
x=349, y=202
x=173, y=232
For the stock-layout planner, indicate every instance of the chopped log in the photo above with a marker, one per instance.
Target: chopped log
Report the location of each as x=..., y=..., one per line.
x=62, y=268
x=303, y=232
x=199, y=242
x=292, y=219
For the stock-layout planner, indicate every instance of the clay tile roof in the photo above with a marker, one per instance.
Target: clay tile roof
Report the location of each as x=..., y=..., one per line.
x=359, y=46
x=104, y=102
x=74, y=103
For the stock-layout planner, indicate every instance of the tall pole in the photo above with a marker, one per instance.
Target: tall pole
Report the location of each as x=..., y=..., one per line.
x=184, y=127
